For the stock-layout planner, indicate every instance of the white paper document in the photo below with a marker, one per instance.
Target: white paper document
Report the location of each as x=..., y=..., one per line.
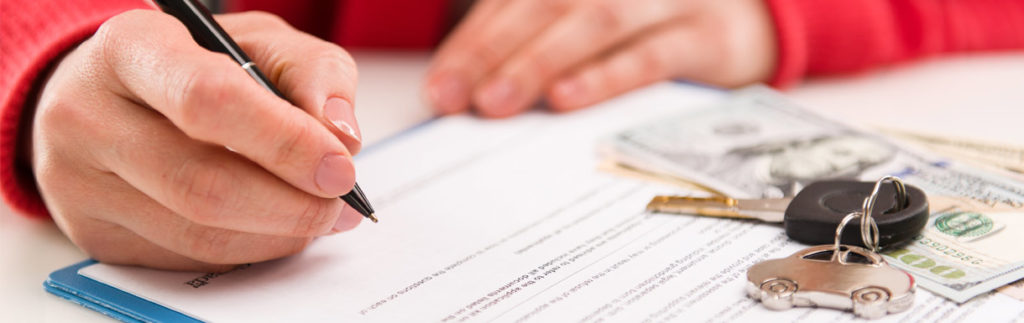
x=509, y=221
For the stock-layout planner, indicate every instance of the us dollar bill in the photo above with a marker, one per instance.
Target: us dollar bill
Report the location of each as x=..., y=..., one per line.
x=756, y=144
x=999, y=155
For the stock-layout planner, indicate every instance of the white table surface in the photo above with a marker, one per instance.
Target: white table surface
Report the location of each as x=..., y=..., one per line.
x=977, y=97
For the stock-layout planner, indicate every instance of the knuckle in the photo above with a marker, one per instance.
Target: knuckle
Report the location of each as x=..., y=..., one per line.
x=217, y=246
x=117, y=24
x=332, y=60
x=109, y=36
x=92, y=236
x=205, y=191
x=337, y=54
x=207, y=244
x=57, y=115
x=734, y=69
x=48, y=177
x=296, y=246
x=345, y=61
x=607, y=15
x=267, y=249
x=316, y=217
x=290, y=140
x=70, y=224
x=265, y=19
x=489, y=53
x=651, y=60
x=200, y=95
x=62, y=102
x=552, y=7
x=122, y=29
x=284, y=247
x=543, y=64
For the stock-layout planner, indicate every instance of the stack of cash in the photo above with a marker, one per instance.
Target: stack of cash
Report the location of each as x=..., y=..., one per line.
x=755, y=144
x=997, y=155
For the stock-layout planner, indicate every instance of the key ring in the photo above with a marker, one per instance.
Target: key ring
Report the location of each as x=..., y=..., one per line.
x=868, y=226
x=839, y=234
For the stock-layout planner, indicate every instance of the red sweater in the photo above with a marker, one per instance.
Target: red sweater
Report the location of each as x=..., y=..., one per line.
x=815, y=37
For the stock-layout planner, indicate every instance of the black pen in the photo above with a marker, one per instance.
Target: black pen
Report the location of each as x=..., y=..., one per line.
x=208, y=34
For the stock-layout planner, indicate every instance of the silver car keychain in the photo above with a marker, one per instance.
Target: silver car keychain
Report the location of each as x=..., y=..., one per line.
x=837, y=276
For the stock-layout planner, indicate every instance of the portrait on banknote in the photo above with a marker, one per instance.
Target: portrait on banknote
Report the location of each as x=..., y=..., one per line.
x=762, y=152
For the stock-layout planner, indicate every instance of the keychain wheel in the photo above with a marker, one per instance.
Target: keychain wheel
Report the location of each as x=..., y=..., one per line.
x=870, y=302
x=777, y=293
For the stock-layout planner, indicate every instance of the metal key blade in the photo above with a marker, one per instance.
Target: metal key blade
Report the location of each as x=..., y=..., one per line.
x=768, y=210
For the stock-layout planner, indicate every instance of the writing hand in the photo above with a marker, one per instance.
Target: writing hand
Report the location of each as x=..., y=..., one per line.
x=150, y=150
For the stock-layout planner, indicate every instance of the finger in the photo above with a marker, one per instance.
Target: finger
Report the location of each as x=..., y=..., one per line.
x=112, y=244
x=583, y=33
x=211, y=99
x=666, y=53
x=169, y=243
x=195, y=241
x=479, y=16
x=315, y=75
x=208, y=184
x=119, y=246
x=479, y=46
x=102, y=228
x=88, y=218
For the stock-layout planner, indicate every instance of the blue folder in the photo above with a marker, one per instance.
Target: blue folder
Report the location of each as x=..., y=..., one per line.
x=110, y=301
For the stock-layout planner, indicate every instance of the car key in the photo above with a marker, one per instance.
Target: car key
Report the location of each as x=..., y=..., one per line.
x=812, y=215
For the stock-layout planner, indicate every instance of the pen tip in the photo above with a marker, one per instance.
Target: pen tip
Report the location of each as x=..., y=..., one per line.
x=372, y=218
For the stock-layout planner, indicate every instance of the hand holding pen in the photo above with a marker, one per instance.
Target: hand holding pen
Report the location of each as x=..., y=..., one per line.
x=210, y=35
x=129, y=137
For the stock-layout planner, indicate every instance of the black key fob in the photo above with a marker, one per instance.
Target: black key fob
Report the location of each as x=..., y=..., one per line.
x=815, y=212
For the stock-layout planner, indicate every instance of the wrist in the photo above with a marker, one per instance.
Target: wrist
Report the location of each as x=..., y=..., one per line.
x=42, y=34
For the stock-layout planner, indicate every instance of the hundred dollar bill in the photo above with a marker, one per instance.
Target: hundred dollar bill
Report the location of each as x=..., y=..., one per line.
x=999, y=155
x=966, y=249
x=756, y=144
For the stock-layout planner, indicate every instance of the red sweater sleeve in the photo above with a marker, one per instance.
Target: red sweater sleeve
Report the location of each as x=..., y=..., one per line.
x=391, y=24
x=32, y=34
x=836, y=36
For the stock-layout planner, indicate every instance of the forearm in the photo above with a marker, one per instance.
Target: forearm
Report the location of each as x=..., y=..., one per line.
x=837, y=36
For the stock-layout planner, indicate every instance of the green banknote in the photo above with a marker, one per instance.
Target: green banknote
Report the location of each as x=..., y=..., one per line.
x=756, y=144
x=965, y=250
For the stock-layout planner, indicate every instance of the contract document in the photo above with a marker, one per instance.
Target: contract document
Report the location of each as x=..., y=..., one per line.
x=512, y=220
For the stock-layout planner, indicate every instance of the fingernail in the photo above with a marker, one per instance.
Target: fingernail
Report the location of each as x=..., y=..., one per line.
x=341, y=114
x=336, y=174
x=499, y=95
x=348, y=220
x=448, y=93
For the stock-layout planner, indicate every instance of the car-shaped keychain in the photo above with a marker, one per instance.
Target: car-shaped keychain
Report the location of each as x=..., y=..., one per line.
x=856, y=279
x=837, y=276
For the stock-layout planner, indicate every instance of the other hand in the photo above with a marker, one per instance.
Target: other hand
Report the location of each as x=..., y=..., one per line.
x=507, y=54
